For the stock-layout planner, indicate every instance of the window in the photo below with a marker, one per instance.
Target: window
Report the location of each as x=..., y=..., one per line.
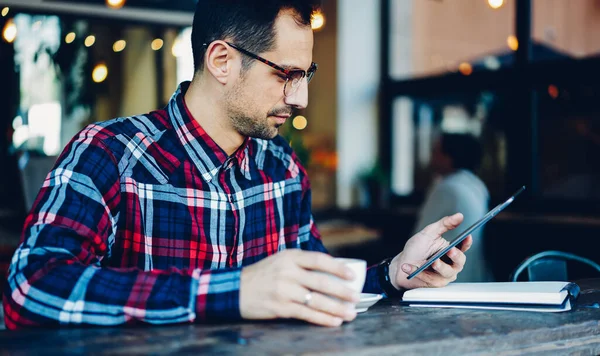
x=569, y=132
x=429, y=37
x=417, y=122
x=565, y=29
x=182, y=50
x=38, y=126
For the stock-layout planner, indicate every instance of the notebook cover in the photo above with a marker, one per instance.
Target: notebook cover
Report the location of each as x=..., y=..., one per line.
x=534, y=296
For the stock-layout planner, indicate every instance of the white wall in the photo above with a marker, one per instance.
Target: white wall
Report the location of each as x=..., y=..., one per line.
x=139, y=68
x=358, y=80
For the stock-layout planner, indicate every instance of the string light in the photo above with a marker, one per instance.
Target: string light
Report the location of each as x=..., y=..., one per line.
x=300, y=122
x=491, y=62
x=495, y=4
x=512, y=42
x=115, y=4
x=157, y=44
x=100, y=73
x=89, y=41
x=119, y=45
x=317, y=20
x=70, y=37
x=9, y=33
x=465, y=68
x=5, y=11
x=177, y=49
x=553, y=91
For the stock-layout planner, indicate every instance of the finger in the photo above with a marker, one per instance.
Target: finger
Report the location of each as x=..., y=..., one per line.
x=458, y=259
x=423, y=275
x=318, y=301
x=408, y=269
x=326, y=284
x=444, y=225
x=323, y=262
x=443, y=269
x=429, y=277
x=466, y=244
x=302, y=312
x=335, y=307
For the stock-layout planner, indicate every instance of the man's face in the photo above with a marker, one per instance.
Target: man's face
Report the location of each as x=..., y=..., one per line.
x=256, y=104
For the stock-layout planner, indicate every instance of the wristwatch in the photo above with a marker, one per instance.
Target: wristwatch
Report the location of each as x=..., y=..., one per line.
x=383, y=271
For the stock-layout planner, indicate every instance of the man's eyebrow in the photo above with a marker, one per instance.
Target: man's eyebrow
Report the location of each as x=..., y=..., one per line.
x=290, y=67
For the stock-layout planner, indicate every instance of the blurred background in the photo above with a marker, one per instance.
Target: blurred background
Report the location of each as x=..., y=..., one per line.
x=521, y=76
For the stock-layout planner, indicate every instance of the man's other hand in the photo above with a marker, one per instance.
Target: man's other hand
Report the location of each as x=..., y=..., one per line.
x=291, y=284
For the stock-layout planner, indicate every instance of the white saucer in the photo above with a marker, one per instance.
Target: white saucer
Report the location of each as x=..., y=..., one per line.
x=367, y=300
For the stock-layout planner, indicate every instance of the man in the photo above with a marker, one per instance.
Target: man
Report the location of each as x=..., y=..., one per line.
x=200, y=212
x=455, y=158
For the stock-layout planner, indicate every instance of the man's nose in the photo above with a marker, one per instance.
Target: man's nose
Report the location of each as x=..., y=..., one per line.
x=298, y=99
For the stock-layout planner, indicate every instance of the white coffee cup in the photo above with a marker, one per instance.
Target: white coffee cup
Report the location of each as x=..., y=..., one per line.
x=359, y=267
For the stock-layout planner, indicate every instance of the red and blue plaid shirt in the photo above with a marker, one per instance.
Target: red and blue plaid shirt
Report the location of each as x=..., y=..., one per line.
x=146, y=219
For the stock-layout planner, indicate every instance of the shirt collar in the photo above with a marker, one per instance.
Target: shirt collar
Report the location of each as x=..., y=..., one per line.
x=204, y=152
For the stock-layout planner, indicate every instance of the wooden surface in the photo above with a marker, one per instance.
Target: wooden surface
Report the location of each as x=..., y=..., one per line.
x=386, y=328
x=341, y=234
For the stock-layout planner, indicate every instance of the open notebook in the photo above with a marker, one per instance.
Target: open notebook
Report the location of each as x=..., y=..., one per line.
x=527, y=296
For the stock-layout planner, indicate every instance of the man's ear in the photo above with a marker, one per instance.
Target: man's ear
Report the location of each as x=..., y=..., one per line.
x=218, y=61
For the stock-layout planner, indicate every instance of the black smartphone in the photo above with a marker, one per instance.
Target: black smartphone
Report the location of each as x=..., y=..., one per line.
x=487, y=217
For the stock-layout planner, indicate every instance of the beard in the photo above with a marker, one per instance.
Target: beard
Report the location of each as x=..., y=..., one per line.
x=249, y=122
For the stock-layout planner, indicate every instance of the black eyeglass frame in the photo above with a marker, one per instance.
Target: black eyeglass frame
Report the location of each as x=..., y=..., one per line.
x=293, y=76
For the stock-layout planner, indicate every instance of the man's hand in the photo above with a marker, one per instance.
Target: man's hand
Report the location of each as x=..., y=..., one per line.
x=278, y=286
x=420, y=247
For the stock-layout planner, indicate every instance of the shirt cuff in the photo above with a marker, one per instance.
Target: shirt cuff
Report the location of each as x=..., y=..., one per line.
x=372, y=284
x=217, y=294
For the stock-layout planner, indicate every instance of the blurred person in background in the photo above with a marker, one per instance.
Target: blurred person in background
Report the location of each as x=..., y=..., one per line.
x=201, y=212
x=455, y=159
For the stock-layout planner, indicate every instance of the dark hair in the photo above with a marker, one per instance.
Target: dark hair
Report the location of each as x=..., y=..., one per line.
x=464, y=149
x=248, y=23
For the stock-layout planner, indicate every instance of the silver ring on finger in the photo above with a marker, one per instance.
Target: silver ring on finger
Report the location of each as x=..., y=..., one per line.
x=307, y=298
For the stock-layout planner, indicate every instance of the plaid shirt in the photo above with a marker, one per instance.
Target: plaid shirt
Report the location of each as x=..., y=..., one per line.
x=146, y=219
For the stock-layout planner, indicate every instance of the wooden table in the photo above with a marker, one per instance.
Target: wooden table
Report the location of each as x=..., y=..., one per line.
x=337, y=235
x=386, y=328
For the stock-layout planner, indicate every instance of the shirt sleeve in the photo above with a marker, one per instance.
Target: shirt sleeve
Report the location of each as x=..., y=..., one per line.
x=59, y=275
x=314, y=242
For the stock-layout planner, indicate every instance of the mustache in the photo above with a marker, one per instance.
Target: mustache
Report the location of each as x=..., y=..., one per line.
x=281, y=112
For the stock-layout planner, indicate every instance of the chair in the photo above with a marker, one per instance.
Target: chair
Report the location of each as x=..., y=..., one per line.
x=550, y=266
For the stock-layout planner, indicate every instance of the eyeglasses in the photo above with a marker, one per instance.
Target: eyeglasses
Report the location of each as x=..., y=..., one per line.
x=293, y=77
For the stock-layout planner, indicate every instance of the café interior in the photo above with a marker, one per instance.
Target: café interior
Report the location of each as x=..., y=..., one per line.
x=521, y=76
